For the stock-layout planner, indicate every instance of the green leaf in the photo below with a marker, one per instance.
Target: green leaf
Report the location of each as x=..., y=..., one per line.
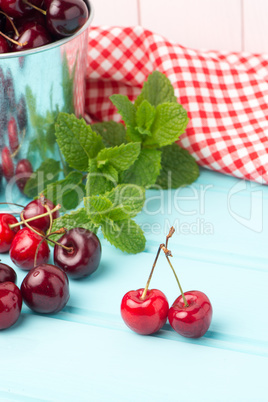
x=156, y=90
x=112, y=133
x=125, y=235
x=145, y=117
x=128, y=112
x=75, y=219
x=47, y=173
x=77, y=141
x=68, y=192
x=99, y=181
x=129, y=198
x=97, y=207
x=121, y=158
x=145, y=170
x=179, y=168
x=169, y=123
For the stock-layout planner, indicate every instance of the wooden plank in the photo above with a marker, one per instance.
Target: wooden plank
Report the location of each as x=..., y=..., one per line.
x=211, y=24
x=255, y=26
x=116, y=12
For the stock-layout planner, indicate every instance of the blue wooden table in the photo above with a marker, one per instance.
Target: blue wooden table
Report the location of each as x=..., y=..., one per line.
x=86, y=353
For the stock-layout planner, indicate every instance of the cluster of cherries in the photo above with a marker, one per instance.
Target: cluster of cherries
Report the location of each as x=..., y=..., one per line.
x=146, y=311
x=27, y=24
x=45, y=288
x=13, y=121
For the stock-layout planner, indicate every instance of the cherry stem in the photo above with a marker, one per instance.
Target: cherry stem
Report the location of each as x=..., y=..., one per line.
x=57, y=207
x=150, y=276
x=170, y=233
x=168, y=254
x=11, y=22
x=37, y=8
x=37, y=249
x=50, y=217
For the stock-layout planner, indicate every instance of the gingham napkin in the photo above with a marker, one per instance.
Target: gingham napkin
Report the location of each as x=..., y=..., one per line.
x=225, y=94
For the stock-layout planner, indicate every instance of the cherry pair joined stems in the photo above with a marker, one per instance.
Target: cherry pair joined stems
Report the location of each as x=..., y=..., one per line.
x=168, y=254
x=15, y=30
x=24, y=221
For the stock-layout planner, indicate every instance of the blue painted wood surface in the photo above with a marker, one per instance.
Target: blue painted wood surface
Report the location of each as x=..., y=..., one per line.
x=86, y=353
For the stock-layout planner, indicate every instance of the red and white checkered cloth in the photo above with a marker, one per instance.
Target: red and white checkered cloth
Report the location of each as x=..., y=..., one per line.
x=225, y=94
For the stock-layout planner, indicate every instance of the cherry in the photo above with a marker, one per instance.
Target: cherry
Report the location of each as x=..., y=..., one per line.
x=7, y=234
x=191, y=321
x=45, y=289
x=23, y=172
x=64, y=18
x=7, y=164
x=14, y=8
x=10, y=304
x=13, y=134
x=24, y=247
x=32, y=35
x=37, y=207
x=7, y=274
x=145, y=311
x=10, y=91
x=84, y=255
x=144, y=315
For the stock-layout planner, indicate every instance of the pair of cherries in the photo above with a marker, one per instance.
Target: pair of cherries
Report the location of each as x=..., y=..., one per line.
x=45, y=289
x=146, y=311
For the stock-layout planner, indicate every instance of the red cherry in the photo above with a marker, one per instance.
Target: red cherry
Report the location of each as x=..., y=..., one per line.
x=13, y=134
x=64, y=18
x=194, y=320
x=7, y=274
x=45, y=289
x=37, y=207
x=10, y=304
x=32, y=35
x=15, y=8
x=7, y=164
x=6, y=233
x=4, y=46
x=144, y=316
x=23, y=249
x=23, y=171
x=84, y=257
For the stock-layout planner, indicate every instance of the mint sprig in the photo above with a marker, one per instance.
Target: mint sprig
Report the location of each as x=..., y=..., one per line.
x=110, y=164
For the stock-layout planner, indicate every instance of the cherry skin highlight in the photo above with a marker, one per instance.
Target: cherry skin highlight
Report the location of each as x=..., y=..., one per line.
x=6, y=233
x=192, y=321
x=10, y=304
x=84, y=258
x=45, y=289
x=7, y=164
x=37, y=207
x=7, y=274
x=23, y=249
x=144, y=316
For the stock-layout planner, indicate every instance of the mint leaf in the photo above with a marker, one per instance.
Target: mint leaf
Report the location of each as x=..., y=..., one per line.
x=125, y=235
x=169, y=123
x=128, y=198
x=77, y=141
x=145, y=117
x=97, y=207
x=112, y=133
x=68, y=192
x=119, y=157
x=145, y=170
x=100, y=180
x=47, y=173
x=179, y=168
x=75, y=219
x=128, y=112
x=156, y=90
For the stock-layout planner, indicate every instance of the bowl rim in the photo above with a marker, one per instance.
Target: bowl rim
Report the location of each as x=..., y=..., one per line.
x=55, y=44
